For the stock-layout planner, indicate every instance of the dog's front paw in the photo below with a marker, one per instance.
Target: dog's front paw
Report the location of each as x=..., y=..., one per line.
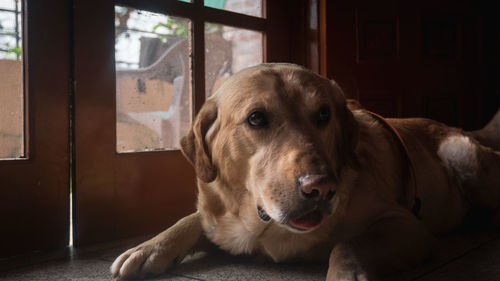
x=153, y=257
x=344, y=266
x=149, y=258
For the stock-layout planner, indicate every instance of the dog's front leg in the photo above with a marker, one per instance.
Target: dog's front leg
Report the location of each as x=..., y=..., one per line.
x=344, y=265
x=393, y=243
x=156, y=255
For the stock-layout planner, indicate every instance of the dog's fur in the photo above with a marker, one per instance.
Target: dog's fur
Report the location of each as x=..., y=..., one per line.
x=369, y=227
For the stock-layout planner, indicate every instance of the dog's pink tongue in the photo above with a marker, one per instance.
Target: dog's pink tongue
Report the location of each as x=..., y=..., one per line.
x=309, y=220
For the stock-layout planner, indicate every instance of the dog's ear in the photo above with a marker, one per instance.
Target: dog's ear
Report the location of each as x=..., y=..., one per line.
x=194, y=145
x=349, y=128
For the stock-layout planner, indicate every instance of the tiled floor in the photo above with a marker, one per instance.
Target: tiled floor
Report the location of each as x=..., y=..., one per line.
x=464, y=256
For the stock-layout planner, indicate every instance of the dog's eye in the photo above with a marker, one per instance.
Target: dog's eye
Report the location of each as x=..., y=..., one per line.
x=323, y=115
x=258, y=119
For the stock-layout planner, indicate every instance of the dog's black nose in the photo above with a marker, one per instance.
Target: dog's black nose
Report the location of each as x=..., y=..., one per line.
x=316, y=186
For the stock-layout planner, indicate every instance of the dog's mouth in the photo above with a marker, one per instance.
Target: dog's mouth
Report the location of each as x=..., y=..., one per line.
x=306, y=221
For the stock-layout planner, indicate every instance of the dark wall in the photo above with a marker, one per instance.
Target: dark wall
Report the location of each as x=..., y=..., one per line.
x=434, y=59
x=490, y=72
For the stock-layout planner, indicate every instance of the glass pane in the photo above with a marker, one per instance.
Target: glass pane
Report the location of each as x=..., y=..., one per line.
x=227, y=51
x=153, y=69
x=247, y=7
x=11, y=81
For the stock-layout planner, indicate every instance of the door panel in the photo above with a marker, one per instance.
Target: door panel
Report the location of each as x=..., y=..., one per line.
x=117, y=195
x=34, y=191
x=120, y=195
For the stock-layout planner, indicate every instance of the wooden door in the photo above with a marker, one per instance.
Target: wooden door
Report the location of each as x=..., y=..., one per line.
x=416, y=58
x=34, y=180
x=120, y=194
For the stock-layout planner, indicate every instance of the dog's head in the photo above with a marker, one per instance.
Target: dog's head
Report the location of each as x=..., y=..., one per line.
x=278, y=133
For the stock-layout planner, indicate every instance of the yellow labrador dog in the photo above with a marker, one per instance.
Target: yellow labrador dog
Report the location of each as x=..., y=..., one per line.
x=287, y=170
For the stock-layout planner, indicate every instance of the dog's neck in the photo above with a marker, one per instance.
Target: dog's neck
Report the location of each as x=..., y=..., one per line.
x=380, y=141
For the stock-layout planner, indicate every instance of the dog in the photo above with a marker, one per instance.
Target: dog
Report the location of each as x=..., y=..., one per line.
x=288, y=168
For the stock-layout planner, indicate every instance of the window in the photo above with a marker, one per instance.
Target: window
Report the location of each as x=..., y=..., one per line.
x=153, y=97
x=228, y=50
x=11, y=79
x=247, y=7
x=155, y=51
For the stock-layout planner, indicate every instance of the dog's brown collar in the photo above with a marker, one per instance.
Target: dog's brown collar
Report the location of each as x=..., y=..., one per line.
x=416, y=204
x=262, y=214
